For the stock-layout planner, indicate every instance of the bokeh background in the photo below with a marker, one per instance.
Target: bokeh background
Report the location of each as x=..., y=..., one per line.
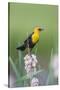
x=23, y=18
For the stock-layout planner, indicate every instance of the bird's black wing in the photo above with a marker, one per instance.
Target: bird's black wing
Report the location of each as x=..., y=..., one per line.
x=27, y=42
x=29, y=37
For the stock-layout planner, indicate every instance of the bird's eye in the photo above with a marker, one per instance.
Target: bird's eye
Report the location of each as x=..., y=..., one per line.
x=39, y=29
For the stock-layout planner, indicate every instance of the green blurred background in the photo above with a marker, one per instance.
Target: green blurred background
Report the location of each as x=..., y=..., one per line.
x=23, y=18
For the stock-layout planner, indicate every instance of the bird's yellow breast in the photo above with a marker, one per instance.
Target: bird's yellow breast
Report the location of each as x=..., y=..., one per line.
x=35, y=37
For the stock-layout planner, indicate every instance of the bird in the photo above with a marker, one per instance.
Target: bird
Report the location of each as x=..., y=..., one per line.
x=31, y=40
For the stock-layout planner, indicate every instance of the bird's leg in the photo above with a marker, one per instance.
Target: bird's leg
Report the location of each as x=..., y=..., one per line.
x=28, y=49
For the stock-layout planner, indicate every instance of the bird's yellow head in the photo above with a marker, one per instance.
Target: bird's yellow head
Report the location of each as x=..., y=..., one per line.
x=37, y=29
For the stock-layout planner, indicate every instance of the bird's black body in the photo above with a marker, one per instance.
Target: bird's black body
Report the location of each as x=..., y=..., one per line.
x=27, y=43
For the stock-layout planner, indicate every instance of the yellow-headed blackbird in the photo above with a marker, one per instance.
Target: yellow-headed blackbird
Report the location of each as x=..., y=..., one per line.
x=31, y=40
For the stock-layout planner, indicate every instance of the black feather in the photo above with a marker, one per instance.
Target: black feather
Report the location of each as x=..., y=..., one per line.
x=27, y=42
x=22, y=47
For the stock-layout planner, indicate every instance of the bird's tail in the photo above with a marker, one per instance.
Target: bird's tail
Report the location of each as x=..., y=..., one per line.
x=22, y=47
